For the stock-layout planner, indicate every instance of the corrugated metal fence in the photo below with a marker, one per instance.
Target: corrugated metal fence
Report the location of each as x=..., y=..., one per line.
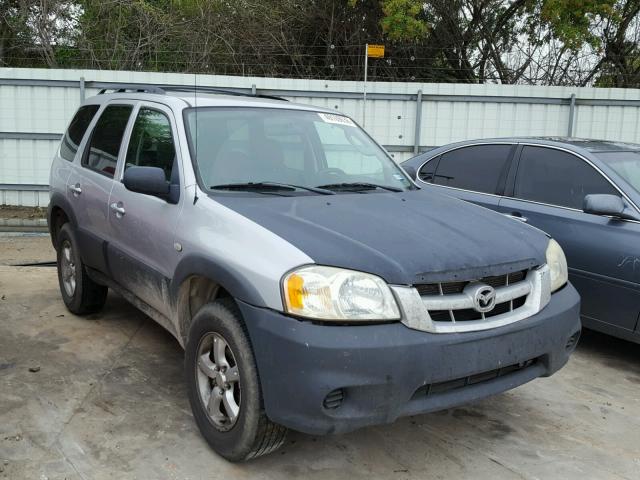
x=37, y=104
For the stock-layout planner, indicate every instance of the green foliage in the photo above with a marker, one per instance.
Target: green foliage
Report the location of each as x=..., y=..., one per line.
x=401, y=19
x=562, y=42
x=571, y=20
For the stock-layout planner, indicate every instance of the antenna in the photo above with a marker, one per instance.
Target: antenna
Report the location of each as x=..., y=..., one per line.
x=195, y=95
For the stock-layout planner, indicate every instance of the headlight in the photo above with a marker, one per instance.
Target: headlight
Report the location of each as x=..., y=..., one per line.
x=557, y=264
x=328, y=293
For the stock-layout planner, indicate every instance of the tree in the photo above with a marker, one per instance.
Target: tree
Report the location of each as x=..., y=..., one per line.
x=559, y=42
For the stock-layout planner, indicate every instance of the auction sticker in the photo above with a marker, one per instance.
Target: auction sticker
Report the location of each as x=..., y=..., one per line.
x=339, y=119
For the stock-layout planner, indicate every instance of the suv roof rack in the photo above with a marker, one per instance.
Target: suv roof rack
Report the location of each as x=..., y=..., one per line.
x=123, y=88
x=221, y=91
x=140, y=88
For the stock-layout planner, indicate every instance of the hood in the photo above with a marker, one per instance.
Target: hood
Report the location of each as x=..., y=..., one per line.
x=406, y=237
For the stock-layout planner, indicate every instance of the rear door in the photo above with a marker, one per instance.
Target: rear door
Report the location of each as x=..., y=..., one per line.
x=548, y=192
x=142, y=253
x=474, y=173
x=91, y=180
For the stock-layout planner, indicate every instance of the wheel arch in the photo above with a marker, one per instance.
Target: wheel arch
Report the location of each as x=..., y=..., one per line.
x=198, y=281
x=59, y=212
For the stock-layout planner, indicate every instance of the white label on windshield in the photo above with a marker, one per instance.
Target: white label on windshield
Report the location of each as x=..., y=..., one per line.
x=339, y=119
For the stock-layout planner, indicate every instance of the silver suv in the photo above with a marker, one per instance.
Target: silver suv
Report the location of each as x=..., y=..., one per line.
x=309, y=282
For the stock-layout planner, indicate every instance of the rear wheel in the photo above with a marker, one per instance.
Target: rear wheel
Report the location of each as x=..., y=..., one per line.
x=223, y=385
x=80, y=294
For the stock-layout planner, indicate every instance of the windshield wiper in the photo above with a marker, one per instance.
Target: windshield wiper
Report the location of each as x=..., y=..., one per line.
x=358, y=186
x=270, y=186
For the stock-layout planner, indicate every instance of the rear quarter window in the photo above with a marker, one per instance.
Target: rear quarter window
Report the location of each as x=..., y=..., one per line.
x=75, y=132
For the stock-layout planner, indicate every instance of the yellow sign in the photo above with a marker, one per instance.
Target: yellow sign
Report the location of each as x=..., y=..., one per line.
x=375, y=51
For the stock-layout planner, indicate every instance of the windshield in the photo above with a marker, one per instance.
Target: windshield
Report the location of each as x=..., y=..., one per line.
x=625, y=164
x=236, y=146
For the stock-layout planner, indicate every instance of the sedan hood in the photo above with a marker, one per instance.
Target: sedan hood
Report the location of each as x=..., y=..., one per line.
x=406, y=238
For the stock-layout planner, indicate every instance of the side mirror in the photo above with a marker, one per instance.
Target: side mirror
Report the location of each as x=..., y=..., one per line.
x=146, y=180
x=411, y=171
x=604, y=204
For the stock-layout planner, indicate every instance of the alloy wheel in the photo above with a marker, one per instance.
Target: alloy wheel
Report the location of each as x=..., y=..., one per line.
x=218, y=381
x=68, y=269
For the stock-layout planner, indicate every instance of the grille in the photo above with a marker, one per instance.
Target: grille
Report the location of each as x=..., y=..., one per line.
x=334, y=399
x=439, y=290
x=470, y=314
x=443, y=387
x=457, y=287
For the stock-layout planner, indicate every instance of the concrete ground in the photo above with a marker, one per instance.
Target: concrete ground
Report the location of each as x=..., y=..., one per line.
x=25, y=248
x=103, y=397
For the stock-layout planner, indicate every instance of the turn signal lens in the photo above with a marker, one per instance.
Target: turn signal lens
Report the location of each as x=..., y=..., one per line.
x=295, y=291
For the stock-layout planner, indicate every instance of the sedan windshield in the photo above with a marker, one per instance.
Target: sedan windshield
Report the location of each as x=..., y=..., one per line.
x=626, y=164
x=264, y=149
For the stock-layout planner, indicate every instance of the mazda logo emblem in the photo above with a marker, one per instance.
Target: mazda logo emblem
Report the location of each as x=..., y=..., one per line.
x=484, y=297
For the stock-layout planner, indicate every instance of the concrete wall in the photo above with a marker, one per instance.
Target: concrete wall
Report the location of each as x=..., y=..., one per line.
x=37, y=104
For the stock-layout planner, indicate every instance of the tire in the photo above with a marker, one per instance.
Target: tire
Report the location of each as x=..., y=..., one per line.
x=82, y=295
x=251, y=434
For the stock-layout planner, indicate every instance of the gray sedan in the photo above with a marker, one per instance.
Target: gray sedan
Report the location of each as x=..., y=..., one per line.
x=584, y=193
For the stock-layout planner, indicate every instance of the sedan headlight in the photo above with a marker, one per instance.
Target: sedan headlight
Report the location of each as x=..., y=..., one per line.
x=557, y=264
x=328, y=293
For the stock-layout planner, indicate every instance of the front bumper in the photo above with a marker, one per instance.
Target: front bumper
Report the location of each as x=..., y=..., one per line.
x=385, y=371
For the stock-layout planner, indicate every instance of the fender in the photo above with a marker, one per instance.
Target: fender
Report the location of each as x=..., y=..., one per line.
x=193, y=264
x=59, y=200
x=92, y=249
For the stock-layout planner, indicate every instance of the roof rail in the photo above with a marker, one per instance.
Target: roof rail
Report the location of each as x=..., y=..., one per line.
x=123, y=88
x=222, y=91
x=140, y=88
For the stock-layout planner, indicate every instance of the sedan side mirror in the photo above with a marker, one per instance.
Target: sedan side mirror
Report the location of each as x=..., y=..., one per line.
x=411, y=171
x=604, y=204
x=146, y=180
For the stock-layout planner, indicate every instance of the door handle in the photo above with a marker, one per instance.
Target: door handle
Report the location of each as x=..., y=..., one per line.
x=75, y=189
x=517, y=216
x=118, y=209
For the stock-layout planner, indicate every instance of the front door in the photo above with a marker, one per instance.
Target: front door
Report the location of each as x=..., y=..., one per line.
x=142, y=254
x=549, y=190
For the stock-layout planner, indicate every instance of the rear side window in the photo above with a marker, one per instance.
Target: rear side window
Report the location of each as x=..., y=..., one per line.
x=476, y=168
x=428, y=170
x=75, y=132
x=102, y=154
x=555, y=177
x=151, y=143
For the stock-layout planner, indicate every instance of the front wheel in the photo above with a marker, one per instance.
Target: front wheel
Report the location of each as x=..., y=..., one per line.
x=223, y=385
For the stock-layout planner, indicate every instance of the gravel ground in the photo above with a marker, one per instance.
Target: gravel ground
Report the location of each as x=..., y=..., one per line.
x=22, y=213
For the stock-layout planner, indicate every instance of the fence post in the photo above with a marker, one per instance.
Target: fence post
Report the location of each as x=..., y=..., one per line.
x=572, y=108
x=81, y=89
x=418, y=126
x=254, y=90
